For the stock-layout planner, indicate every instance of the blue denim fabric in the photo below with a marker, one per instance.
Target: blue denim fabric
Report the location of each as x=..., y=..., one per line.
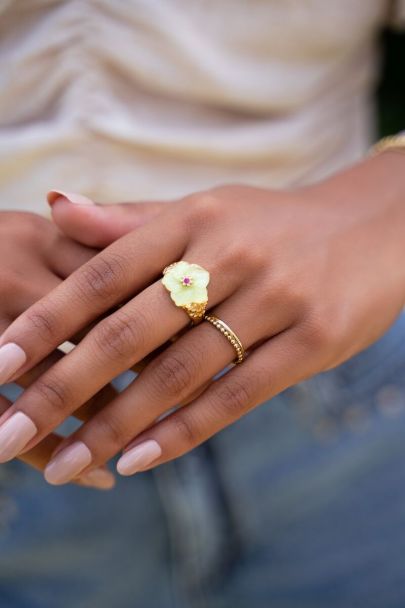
x=301, y=504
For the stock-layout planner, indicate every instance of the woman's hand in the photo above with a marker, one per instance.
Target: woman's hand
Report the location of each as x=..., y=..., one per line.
x=34, y=258
x=305, y=278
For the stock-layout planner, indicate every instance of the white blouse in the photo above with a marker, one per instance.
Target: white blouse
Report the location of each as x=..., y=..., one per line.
x=137, y=99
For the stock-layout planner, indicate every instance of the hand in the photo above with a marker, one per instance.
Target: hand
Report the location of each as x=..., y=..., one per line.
x=305, y=278
x=35, y=257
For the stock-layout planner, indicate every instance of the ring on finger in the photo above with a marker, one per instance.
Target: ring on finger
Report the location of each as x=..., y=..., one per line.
x=229, y=335
x=187, y=285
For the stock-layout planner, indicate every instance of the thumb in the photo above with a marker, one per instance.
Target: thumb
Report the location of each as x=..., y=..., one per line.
x=96, y=225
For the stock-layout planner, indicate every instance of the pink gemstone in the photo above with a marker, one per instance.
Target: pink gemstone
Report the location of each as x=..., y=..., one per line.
x=186, y=281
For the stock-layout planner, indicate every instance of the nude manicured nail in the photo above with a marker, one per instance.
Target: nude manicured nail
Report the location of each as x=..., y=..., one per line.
x=72, y=197
x=15, y=433
x=12, y=357
x=68, y=463
x=100, y=479
x=140, y=457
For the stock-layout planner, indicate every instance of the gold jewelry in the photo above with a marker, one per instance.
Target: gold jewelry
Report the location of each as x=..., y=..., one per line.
x=187, y=285
x=229, y=335
x=391, y=142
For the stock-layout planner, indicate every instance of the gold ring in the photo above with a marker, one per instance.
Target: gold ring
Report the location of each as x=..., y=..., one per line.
x=229, y=335
x=187, y=285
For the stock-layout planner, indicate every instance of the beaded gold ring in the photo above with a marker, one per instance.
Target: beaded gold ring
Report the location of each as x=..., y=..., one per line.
x=229, y=335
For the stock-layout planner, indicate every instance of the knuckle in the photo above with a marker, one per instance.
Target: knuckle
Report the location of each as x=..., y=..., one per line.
x=53, y=393
x=233, y=255
x=173, y=374
x=297, y=298
x=204, y=208
x=285, y=294
x=232, y=398
x=282, y=289
x=44, y=322
x=238, y=255
x=242, y=257
x=119, y=336
x=256, y=260
x=99, y=278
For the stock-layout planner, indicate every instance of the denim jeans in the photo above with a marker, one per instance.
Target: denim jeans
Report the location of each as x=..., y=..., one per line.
x=301, y=504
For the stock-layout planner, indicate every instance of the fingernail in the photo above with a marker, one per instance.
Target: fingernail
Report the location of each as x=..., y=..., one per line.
x=72, y=197
x=12, y=357
x=68, y=463
x=15, y=433
x=139, y=457
x=100, y=479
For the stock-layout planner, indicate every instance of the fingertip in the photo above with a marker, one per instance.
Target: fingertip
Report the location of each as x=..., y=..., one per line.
x=82, y=223
x=99, y=479
x=71, y=197
x=139, y=457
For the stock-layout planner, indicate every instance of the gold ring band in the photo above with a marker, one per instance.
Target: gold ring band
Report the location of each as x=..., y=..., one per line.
x=229, y=335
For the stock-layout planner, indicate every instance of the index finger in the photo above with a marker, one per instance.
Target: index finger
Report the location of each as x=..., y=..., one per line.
x=121, y=270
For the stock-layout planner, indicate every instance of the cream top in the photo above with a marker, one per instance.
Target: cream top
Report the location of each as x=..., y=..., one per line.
x=134, y=99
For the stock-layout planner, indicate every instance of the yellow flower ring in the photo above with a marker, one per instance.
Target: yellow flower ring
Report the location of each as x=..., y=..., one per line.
x=187, y=285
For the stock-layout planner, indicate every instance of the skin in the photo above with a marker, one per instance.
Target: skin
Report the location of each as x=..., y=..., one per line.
x=39, y=456
x=31, y=246
x=307, y=278
x=35, y=258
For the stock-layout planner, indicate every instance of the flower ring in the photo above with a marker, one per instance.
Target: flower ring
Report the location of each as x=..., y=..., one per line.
x=187, y=285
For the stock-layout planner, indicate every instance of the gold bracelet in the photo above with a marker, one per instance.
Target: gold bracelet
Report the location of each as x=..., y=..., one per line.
x=391, y=142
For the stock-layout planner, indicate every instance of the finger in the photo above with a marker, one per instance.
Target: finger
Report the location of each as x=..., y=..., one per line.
x=121, y=270
x=21, y=297
x=86, y=411
x=172, y=377
x=38, y=458
x=99, y=225
x=112, y=347
x=65, y=256
x=278, y=364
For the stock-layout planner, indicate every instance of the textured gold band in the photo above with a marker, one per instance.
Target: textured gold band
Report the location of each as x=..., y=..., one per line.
x=195, y=311
x=229, y=335
x=390, y=142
